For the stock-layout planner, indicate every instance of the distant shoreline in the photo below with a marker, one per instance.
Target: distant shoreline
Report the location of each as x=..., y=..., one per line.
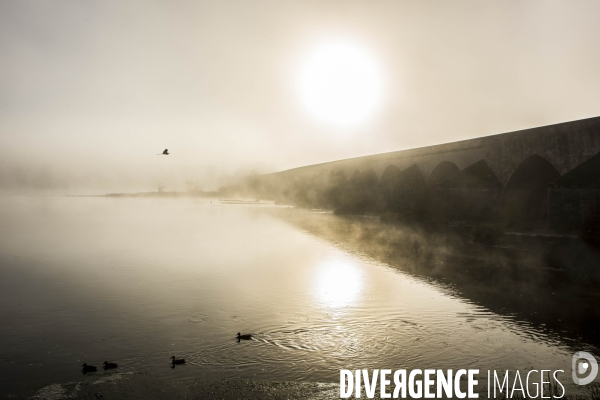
x=152, y=194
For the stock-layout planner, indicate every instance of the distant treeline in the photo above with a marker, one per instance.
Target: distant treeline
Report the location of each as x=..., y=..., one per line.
x=398, y=192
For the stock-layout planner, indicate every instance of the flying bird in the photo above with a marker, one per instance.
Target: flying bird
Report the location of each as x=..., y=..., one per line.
x=164, y=153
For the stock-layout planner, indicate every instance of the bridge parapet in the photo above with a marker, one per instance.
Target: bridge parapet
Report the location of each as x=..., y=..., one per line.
x=557, y=149
x=564, y=145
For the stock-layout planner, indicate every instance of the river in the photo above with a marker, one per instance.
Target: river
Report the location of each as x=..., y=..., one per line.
x=136, y=281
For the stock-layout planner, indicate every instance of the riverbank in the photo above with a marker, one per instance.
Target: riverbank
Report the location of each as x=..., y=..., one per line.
x=150, y=386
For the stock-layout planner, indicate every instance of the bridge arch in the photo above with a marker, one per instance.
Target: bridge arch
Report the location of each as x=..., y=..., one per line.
x=525, y=197
x=389, y=185
x=443, y=170
x=390, y=173
x=359, y=194
x=403, y=191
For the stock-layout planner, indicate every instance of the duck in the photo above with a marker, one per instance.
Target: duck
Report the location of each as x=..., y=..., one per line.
x=108, y=365
x=88, y=368
x=243, y=337
x=177, y=361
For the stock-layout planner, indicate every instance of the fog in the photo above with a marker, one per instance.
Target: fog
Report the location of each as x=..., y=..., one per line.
x=91, y=91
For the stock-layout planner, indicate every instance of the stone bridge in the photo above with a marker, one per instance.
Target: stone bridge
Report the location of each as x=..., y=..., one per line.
x=506, y=167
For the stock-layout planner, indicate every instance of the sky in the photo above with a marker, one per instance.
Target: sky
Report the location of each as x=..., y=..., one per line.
x=91, y=91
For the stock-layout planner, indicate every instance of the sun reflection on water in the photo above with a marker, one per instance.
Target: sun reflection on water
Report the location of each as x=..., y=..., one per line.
x=339, y=283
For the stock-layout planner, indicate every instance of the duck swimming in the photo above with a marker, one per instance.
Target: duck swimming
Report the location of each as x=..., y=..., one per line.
x=108, y=365
x=243, y=337
x=88, y=368
x=177, y=361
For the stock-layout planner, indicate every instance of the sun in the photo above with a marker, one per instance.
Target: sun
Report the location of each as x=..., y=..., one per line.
x=340, y=83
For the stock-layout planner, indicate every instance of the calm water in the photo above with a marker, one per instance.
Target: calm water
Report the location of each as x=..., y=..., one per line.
x=135, y=281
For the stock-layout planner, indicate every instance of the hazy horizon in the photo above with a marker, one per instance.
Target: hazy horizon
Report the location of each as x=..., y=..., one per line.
x=91, y=91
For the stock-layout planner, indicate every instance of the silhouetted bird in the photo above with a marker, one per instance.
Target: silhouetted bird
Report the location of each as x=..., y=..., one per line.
x=88, y=368
x=177, y=361
x=108, y=365
x=164, y=153
x=243, y=337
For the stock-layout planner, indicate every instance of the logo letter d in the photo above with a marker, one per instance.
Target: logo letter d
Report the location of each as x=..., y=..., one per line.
x=590, y=362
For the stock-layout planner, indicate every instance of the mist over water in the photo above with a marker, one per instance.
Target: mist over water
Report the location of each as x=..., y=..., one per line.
x=135, y=281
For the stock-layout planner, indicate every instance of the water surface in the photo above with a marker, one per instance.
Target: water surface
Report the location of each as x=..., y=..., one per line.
x=135, y=281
